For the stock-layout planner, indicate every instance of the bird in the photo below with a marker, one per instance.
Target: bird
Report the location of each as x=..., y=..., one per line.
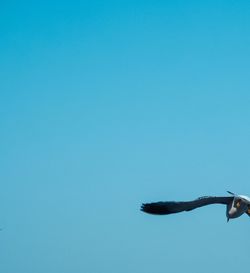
x=236, y=205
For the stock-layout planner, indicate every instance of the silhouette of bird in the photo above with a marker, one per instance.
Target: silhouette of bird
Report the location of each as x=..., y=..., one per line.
x=236, y=205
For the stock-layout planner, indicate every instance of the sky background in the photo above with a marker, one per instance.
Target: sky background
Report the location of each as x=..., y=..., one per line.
x=108, y=104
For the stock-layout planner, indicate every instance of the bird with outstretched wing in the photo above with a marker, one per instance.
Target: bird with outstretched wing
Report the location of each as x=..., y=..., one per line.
x=236, y=205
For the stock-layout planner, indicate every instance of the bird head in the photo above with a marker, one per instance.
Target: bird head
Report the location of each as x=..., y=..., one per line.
x=239, y=205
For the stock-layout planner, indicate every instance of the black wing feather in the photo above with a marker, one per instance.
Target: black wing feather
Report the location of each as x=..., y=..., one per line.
x=163, y=208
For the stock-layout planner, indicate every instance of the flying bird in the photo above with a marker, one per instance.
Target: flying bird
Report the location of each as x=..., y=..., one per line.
x=236, y=205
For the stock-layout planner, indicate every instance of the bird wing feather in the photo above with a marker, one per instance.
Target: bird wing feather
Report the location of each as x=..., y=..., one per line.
x=169, y=207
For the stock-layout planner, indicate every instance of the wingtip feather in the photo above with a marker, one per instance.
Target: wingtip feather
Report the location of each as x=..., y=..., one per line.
x=154, y=208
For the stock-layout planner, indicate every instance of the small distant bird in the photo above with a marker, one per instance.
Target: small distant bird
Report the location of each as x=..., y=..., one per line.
x=236, y=205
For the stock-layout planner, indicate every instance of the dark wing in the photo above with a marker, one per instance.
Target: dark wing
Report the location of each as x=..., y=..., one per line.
x=162, y=208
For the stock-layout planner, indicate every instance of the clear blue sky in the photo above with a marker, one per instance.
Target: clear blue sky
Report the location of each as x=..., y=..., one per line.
x=107, y=104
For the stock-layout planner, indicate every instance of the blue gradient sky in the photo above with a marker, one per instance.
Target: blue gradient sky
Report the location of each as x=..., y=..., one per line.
x=107, y=104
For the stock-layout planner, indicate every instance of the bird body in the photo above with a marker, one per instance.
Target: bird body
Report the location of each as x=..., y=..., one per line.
x=236, y=205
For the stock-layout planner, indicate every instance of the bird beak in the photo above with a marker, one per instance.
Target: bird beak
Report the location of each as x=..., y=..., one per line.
x=227, y=220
